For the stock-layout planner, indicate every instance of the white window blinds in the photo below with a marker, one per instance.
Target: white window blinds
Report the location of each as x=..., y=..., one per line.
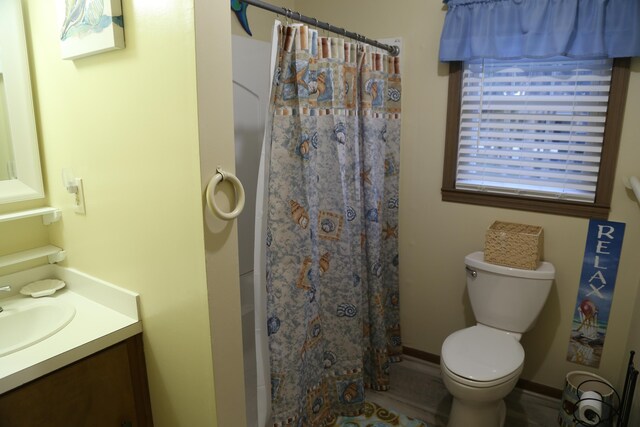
x=533, y=128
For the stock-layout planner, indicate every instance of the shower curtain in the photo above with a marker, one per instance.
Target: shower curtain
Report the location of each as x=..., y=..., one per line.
x=332, y=227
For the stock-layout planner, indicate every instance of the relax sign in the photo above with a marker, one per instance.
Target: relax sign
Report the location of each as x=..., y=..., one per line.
x=597, y=281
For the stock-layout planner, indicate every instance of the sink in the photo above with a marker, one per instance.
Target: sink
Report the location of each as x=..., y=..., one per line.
x=25, y=322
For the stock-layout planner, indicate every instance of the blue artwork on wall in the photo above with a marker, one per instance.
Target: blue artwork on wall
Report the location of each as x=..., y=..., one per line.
x=88, y=27
x=240, y=9
x=597, y=282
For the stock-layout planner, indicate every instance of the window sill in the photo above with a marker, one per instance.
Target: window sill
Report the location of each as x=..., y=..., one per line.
x=555, y=207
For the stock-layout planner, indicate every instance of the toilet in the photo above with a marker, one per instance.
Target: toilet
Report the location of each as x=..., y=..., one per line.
x=481, y=364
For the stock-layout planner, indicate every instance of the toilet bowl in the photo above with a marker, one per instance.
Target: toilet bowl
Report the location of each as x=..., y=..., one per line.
x=481, y=364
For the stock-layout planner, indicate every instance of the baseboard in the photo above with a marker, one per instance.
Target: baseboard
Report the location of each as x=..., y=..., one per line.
x=422, y=355
x=542, y=389
x=522, y=384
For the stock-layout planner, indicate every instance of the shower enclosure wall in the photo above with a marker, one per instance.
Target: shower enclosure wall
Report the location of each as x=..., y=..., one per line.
x=251, y=84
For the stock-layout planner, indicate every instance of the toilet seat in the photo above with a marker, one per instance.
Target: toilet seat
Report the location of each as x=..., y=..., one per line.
x=480, y=384
x=480, y=355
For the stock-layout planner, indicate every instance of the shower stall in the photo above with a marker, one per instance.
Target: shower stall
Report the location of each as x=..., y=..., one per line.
x=253, y=65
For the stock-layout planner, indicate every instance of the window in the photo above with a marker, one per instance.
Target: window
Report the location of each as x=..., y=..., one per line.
x=537, y=135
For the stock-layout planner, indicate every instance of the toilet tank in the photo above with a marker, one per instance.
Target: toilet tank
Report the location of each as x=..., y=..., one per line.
x=507, y=298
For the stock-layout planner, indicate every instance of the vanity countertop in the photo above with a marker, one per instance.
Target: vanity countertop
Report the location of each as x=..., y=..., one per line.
x=105, y=315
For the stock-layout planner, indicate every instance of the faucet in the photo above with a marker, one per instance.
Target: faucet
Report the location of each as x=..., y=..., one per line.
x=6, y=288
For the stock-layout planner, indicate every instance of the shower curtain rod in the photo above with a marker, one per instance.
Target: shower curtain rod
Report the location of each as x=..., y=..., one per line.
x=393, y=50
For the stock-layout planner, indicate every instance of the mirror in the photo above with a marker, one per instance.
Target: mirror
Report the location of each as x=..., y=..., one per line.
x=20, y=175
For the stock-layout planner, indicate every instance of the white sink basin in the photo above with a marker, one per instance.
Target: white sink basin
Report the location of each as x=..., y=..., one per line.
x=25, y=322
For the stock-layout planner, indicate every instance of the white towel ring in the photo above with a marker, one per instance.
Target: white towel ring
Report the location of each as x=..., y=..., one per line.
x=237, y=188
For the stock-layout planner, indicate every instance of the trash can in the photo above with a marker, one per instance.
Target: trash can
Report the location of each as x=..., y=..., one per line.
x=587, y=400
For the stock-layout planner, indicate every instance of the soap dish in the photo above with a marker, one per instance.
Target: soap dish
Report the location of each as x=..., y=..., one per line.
x=42, y=288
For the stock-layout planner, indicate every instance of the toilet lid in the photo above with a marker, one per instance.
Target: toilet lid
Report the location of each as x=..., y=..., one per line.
x=480, y=353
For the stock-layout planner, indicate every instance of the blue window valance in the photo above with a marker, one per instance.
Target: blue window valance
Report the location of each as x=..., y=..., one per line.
x=514, y=29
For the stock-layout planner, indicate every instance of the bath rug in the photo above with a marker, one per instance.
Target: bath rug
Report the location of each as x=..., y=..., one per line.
x=377, y=416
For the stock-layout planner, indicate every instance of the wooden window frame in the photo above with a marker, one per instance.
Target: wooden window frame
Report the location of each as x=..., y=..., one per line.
x=599, y=208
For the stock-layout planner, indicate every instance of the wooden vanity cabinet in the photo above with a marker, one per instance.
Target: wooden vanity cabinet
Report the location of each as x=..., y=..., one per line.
x=106, y=389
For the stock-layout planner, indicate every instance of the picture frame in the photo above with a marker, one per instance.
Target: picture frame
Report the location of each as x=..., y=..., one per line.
x=89, y=27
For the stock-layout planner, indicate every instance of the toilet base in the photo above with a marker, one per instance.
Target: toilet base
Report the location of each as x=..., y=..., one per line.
x=474, y=406
x=485, y=414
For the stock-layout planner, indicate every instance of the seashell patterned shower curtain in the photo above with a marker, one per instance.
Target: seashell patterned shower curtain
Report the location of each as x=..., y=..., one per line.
x=332, y=228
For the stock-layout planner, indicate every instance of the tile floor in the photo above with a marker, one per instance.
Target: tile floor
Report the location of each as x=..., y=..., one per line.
x=417, y=391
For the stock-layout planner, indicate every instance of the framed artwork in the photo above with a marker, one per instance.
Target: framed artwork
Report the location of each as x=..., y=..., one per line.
x=595, y=293
x=89, y=27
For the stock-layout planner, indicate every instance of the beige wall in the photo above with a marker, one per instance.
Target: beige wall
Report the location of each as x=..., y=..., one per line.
x=6, y=152
x=435, y=236
x=126, y=122
x=215, y=97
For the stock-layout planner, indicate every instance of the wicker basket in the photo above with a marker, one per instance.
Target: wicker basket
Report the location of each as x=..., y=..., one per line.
x=514, y=245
